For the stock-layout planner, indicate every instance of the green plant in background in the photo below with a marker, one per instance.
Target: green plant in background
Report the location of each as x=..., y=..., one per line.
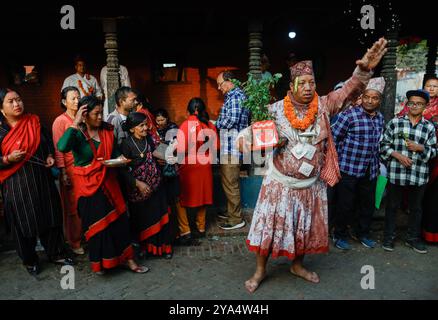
x=412, y=55
x=258, y=95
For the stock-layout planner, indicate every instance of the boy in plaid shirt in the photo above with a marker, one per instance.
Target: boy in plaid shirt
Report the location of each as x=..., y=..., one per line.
x=409, y=142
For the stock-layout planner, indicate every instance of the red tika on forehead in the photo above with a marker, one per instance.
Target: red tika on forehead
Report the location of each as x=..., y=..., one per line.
x=301, y=68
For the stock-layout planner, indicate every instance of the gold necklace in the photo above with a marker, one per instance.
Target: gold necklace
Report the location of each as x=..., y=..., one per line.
x=141, y=152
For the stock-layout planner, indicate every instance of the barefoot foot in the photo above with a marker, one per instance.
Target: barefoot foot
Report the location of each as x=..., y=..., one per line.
x=253, y=283
x=301, y=272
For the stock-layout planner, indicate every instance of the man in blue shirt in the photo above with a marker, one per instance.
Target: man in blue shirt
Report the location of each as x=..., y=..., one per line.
x=233, y=118
x=357, y=133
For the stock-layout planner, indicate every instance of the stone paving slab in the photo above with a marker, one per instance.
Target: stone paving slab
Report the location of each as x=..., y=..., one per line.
x=218, y=268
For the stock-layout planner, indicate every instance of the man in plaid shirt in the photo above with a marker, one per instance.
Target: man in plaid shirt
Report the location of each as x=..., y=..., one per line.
x=232, y=119
x=357, y=132
x=409, y=142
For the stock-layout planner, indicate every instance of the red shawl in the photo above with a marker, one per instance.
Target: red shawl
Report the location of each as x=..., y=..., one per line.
x=87, y=180
x=25, y=135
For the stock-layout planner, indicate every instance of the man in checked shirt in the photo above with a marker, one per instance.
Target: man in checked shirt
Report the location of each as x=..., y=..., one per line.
x=409, y=142
x=233, y=118
x=357, y=132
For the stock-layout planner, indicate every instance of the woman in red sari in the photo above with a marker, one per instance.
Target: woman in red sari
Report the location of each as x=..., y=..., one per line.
x=64, y=161
x=31, y=201
x=100, y=203
x=197, y=141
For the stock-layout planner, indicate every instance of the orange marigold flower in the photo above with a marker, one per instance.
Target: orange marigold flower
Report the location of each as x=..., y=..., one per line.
x=309, y=118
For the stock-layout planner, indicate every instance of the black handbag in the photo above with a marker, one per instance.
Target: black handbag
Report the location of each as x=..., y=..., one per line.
x=170, y=170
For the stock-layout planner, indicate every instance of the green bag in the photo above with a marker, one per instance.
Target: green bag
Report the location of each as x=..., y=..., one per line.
x=380, y=189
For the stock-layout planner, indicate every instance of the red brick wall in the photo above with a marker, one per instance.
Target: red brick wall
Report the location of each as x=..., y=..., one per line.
x=43, y=99
x=175, y=97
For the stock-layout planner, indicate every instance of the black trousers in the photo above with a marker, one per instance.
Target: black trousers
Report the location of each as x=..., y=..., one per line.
x=331, y=203
x=52, y=241
x=394, y=200
x=430, y=213
x=354, y=194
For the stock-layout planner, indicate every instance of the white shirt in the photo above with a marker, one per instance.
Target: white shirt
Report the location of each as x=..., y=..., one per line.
x=124, y=81
x=83, y=84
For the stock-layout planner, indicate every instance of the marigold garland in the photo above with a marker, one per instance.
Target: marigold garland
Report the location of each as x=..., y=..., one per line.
x=308, y=120
x=90, y=89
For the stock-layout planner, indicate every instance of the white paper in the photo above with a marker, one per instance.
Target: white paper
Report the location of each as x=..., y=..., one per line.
x=310, y=151
x=306, y=169
x=299, y=151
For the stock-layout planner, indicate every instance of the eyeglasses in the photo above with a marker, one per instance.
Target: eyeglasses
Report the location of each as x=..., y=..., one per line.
x=431, y=86
x=411, y=104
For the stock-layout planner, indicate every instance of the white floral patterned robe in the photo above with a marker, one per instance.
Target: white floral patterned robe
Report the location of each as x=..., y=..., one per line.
x=293, y=222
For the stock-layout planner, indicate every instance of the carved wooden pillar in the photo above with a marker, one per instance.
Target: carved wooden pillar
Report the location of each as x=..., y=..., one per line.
x=255, y=47
x=431, y=58
x=390, y=74
x=112, y=61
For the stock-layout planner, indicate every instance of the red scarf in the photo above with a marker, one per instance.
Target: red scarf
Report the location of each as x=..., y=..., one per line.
x=87, y=180
x=25, y=135
x=151, y=121
x=330, y=172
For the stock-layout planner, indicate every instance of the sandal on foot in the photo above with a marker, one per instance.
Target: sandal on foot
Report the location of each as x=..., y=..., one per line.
x=79, y=251
x=168, y=256
x=138, y=269
x=33, y=270
x=63, y=261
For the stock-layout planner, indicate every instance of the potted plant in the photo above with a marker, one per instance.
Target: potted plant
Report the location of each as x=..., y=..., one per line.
x=264, y=135
x=258, y=93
